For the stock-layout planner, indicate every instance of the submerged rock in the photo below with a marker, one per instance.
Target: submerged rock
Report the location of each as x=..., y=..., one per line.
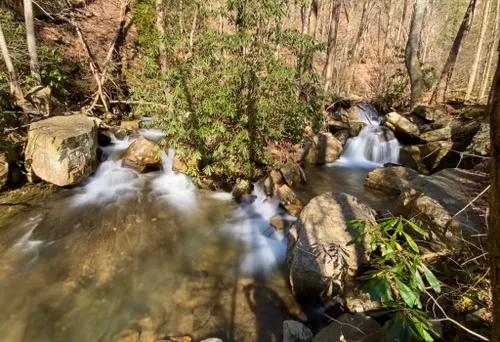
x=62, y=150
x=294, y=331
x=434, y=201
x=293, y=173
x=4, y=171
x=402, y=125
x=349, y=328
x=141, y=154
x=430, y=113
x=391, y=180
x=317, y=255
x=290, y=200
x=324, y=148
x=480, y=144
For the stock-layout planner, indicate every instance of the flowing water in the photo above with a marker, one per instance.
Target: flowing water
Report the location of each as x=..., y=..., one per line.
x=149, y=256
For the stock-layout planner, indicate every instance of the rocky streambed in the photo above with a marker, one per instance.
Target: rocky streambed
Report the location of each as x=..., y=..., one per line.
x=136, y=252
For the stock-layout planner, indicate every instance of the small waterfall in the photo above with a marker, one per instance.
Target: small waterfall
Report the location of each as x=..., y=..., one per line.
x=375, y=145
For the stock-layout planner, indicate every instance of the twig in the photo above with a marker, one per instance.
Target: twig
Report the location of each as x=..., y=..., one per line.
x=470, y=154
x=143, y=103
x=342, y=323
x=447, y=318
x=475, y=199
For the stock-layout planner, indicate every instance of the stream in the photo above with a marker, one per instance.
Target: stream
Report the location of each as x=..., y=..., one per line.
x=146, y=257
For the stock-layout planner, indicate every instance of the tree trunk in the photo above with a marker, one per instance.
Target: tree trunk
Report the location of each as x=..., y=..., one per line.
x=402, y=22
x=313, y=20
x=160, y=26
x=15, y=88
x=332, y=45
x=31, y=40
x=442, y=84
x=388, y=29
x=489, y=63
x=411, y=54
x=305, y=14
x=494, y=215
x=193, y=29
x=357, y=46
x=479, y=50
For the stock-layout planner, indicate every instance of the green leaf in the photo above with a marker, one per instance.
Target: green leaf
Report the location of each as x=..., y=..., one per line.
x=416, y=281
x=431, y=278
x=380, y=289
x=399, y=227
x=357, y=240
x=417, y=228
x=406, y=293
x=411, y=242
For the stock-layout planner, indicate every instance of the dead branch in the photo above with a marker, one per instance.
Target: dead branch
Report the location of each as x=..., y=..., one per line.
x=470, y=203
x=141, y=103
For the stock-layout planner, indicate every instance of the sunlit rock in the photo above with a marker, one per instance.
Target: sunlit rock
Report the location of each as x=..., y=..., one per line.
x=62, y=150
x=324, y=148
x=391, y=180
x=290, y=200
x=481, y=142
x=402, y=125
x=430, y=113
x=293, y=173
x=141, y=154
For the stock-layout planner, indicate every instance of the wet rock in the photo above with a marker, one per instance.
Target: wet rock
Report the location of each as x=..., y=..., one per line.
x=433, y=201
x=131, y=126
x=243, y=187
x=337, y=125
x=430, y=113
x=349, y=328
x=324, y=148
x=273, y=182
x=463, y=133
x=391, y=180
x=409, y=156
x=141, y=154
x=62, y=150
x=4, y=171
x=318, y=256
x=355, y=128
x=359, y=301
x=437, y=134
x=290, y=200
x=384, y=134
x=279, y=223
x=399, y=123
x=480, y=144
x=342, y=136
x=293, y=174
x=294, y=331
x=429, y=157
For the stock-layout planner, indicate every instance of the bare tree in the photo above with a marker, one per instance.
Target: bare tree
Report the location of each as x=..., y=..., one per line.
x=402, y=22
x=494, y=217
x=15, y=88
x=491, y=54
x=479, y=50
x=332, y=45
x=411, y=54
x=160, y=26
x=31, y=40
x=440, y=90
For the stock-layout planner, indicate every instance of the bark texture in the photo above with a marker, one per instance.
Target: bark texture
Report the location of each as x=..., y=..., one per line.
x=491, y=54
x=31, y=40
x=160, y=26
x=15, y=88
x=332, y=45
x=411, y=54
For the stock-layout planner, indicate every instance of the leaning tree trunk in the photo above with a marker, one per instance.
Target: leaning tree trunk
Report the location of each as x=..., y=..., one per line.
x=411, y=54
x=440, y=90
x=479, y=50
x=491, y=54
x=160, y=27
x=15, y=88
x=332, y=45
x=30, y=38
x=494, y=217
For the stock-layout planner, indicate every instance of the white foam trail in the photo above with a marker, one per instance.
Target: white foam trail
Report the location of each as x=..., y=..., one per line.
x=152, y=134
x=222, y=196
x=264, y=248
x=116, y=145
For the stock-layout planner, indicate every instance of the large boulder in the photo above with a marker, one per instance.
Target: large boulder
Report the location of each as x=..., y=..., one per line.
x=356, y=127
x=4, y=171
x=324, y=148
x=294, y=331
x=435, y=202
x=437, y=134
x=357, y=327
x=480, y=144
x=429, y=157
x=318, y=255
x=290, y=200
x=293, y=173
x=391, y=180
x=342, y=136
x=142, y=153
x=401, y=126
x=62, y=150
x=430, y=113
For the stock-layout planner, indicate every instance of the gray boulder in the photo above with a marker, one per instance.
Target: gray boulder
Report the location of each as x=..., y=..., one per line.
x=62, y=150
x=350, y=328
x=324, y=148
x=294, y=331
x=437, y=134
x=402, y=125
x=290, y=200
x=391, y=180
x=318, y=256
x=293, y=173
x=430, y=113
x=480, y=144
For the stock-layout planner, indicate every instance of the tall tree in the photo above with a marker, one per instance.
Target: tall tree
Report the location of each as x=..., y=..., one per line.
x=15, y=88
x=31, y=40
x=332, y=45
x=411, y=54
x=440, y=90
x=160, y=27
x=402, y=22
x=479, y=50
x=494, y=217
x=491, y=54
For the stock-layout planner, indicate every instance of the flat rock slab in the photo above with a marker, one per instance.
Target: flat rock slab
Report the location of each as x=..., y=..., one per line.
x=62, y=150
